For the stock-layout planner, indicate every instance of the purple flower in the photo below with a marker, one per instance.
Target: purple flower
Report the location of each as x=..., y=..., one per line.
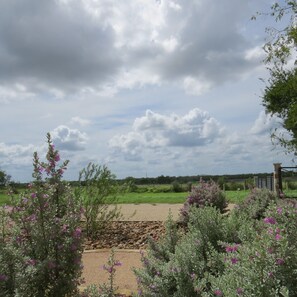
x=218, y=292
x=280, y=261
x=33, y=195
x=278, y=237
x=239, y=291
x=117, y=263
x=3, y=278
x=234, y=260
x=31, y=262
x=279, y=210
x=231, y=249
x=270, y=220
x=57, y=157
x=77, y=233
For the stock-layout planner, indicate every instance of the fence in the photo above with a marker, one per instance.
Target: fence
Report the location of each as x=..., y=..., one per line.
x=266, y=182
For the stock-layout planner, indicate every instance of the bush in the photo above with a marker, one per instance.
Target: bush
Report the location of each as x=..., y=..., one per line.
x=226, y=255
x=176, y=187
x=257, y=202
x=42, y=246
x=204, y=194
x=98, y=190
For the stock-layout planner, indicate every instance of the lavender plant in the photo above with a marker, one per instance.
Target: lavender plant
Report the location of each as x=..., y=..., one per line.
x=266, y=265
x=41, y=256
x=257, y=202
x=227, y=255
x=107, y=289
x=204, y=194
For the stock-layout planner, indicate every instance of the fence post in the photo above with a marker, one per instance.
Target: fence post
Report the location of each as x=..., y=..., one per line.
x=277, y=178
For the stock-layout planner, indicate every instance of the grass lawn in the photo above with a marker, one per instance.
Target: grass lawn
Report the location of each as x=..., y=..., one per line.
x=136, y=198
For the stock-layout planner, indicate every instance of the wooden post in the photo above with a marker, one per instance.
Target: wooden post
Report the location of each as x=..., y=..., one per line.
x=277, y=179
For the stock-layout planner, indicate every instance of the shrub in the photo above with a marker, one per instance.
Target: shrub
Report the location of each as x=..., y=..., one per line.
x=257, y=202
x=204, y=194
x=226, y=255
x=266, y=265
x=176, y=187
x=180, y=265
x=41, y=254
x=98, y=189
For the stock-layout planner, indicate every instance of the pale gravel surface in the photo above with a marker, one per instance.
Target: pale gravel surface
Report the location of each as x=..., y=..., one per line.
x=93, y=261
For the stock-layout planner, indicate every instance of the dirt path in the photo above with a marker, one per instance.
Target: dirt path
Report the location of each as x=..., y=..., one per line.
x=93, y=261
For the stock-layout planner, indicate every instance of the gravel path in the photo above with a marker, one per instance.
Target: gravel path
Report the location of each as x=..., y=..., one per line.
x=94, y=260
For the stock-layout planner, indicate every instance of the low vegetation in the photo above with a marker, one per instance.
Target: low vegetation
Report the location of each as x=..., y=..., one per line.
x=251, y=251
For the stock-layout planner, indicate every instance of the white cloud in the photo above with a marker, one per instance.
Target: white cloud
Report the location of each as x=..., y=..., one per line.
x=157, y=131
x=69, y=139
x=265, y=124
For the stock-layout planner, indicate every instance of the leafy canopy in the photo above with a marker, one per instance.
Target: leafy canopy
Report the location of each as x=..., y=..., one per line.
x=280, y=94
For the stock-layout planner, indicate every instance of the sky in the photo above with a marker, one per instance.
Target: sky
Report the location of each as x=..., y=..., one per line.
x=145, y=87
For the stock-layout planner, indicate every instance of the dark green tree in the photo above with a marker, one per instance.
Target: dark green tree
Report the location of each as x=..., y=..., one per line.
x=280, y=94
x=4, y=178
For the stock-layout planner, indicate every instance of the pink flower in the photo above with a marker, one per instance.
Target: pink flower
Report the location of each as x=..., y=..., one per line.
x=33, y=195
x=270, y=220
x=239, y=291
x=231, y=249
x=280, y=261
x=57, y=157
x=234, y=260
x=31, y=262
x=279, y=210
x=77, y=233
x=218, y=292
x=117, y=263
x=278, y=237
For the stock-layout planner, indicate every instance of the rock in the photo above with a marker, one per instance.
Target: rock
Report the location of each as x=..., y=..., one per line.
x=127, y=235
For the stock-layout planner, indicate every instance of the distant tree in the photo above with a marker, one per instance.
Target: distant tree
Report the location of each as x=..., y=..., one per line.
x=280, y=94
x=4, y=178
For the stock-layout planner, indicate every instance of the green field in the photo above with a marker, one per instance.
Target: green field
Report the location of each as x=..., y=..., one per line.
x=170, y=197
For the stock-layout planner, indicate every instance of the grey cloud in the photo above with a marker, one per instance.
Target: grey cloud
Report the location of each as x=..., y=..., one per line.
x=54, y=44
x=68, y=139
x=68, y=46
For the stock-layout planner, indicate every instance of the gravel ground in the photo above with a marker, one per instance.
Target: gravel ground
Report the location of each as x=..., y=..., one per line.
x=140, y=219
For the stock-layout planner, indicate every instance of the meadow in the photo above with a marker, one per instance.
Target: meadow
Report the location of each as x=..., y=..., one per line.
x=235, y=197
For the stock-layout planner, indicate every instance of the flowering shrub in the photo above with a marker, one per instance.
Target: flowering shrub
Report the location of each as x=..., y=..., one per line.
x=257, y=202
x=227, y=255
x=41, y=255
x=204, y=194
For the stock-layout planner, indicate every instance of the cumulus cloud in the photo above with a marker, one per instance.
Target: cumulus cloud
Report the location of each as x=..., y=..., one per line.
x=265, y=124
x=154, y=131
x=75, y=47
x=68, y=139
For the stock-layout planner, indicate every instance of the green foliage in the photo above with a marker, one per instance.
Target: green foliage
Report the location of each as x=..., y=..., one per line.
x=257, y=202
x=4, y=178
x=226, y=255
x=98, y=189
x=41, y=242
x=280, y=95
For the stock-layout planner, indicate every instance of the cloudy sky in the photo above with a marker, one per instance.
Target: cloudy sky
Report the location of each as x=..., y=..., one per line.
x=147, y=87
